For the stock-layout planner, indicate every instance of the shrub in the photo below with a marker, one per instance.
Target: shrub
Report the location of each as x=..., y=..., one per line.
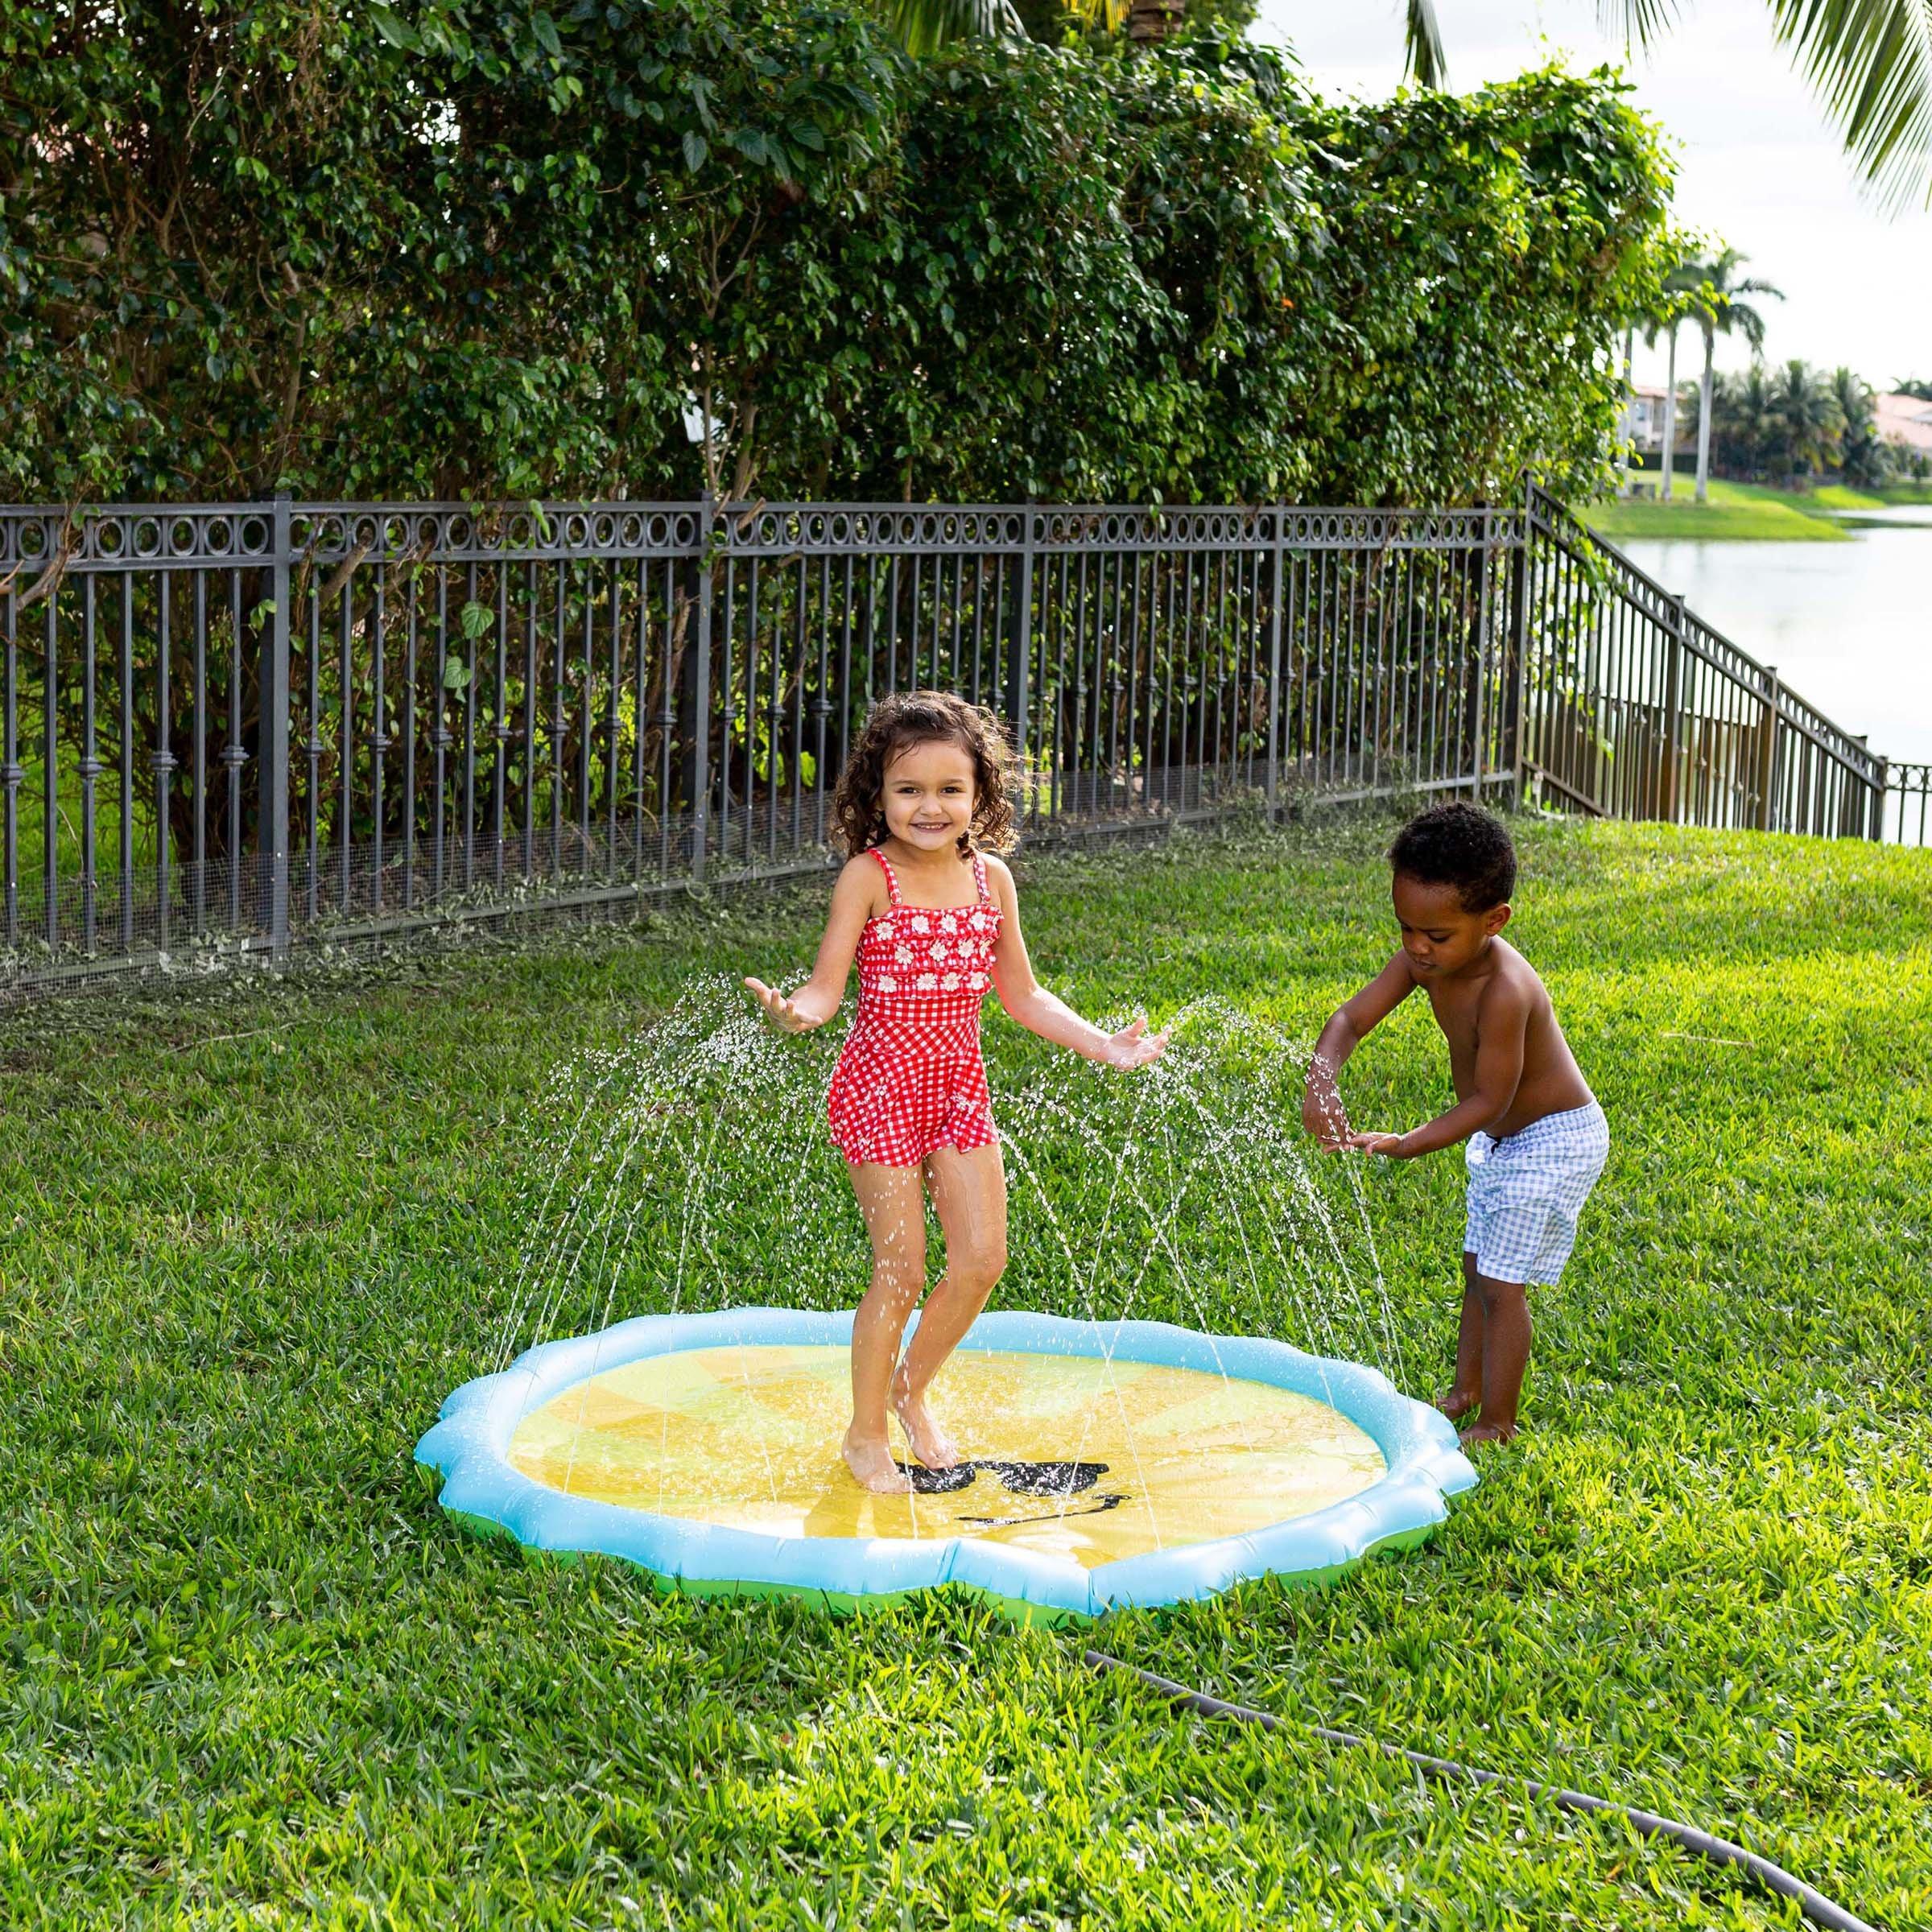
x=448, y=249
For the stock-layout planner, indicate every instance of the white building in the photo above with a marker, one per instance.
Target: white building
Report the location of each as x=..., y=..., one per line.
x=1644, y=423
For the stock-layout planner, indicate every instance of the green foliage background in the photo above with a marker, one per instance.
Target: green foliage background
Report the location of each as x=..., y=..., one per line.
x=1798, y=424
x=457, y=248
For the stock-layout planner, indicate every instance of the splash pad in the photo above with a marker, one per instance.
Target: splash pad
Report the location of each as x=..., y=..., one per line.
x=1107, y=1465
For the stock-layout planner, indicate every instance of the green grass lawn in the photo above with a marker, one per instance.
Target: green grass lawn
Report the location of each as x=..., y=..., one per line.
x=1740, y=510
x=252, y=1675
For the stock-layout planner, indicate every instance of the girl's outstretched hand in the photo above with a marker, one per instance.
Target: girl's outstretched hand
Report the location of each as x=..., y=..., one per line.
x=1134, y=1045
x=781, y=1010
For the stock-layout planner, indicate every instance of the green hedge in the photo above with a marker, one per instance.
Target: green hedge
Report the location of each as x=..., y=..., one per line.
x=469, y=250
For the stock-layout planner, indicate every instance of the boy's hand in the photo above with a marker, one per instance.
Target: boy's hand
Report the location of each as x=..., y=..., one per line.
x=1134, y=1045
x=780, y=1009
x=1388, y=1146
x=1324, y=1120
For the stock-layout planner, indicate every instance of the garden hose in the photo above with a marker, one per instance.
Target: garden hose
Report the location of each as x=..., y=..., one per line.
x=1773, y=1878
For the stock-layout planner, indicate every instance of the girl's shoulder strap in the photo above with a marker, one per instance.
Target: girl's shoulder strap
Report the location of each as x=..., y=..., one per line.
x=979, y=877
x=892, y=883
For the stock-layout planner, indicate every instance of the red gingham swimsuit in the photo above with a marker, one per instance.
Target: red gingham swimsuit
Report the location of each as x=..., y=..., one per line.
x=910, y=1078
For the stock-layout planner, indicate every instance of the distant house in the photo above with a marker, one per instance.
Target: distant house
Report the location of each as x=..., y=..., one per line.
x=1644, y=422
x=1906, y=420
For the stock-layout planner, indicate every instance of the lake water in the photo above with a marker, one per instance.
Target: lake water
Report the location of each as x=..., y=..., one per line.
x=1848, y=626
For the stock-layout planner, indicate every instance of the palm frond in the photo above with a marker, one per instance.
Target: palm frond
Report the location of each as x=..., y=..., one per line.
x=923, y=27
x=1747, y=322
x=1639, y=22
x=1424, y=63
x=1871, y=60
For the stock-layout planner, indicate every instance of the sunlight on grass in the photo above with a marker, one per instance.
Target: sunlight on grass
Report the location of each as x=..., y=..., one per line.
x=253, y=1674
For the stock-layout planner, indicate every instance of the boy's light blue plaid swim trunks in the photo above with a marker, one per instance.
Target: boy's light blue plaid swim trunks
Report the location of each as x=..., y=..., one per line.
x=1526, y=1192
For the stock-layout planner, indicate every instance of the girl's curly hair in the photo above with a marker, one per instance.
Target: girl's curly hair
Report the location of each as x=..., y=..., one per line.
x=923, y=717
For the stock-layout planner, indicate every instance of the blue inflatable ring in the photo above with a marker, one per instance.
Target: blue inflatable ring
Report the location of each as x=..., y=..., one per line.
x=1081, y=1522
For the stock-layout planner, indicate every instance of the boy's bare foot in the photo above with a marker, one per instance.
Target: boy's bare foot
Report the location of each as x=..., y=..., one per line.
x=1457, y=1404
x=872, y=1463
x=929, y=1442
x=1488, y=1432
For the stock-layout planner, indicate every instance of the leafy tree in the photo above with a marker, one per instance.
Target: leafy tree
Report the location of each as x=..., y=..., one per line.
x=1870, y=61
x=524, y=248
x=499, y=261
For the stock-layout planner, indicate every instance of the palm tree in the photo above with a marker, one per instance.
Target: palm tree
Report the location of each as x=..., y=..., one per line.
x=1870, y=61
x=1809, y=418
x=1865, y=458
x=1667, y=325
x=925, y=25
x=1715, y=306
x=1629, y=431
x=1744, y=417
x=1424, y=63
x=1665, y=320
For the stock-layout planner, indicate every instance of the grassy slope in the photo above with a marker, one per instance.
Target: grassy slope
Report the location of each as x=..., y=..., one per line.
x=1742, y=510
x=1836, y=496
x=252, y=1674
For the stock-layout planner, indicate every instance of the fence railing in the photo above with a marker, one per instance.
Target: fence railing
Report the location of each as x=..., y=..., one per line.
x=1641, y=709
x=247, y=727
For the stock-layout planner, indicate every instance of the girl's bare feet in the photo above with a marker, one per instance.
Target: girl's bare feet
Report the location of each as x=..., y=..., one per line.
x=1488, y=1432
x=872, y=1463
x=1457, y=1404
x=929, y=1442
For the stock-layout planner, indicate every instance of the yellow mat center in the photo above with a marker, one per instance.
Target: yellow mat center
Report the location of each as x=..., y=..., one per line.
x=1074, y=1456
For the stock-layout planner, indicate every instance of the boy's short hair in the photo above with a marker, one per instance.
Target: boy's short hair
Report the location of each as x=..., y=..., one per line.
x=1461, y=845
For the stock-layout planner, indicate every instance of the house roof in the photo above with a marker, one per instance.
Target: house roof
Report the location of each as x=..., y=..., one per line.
x=1906, y=419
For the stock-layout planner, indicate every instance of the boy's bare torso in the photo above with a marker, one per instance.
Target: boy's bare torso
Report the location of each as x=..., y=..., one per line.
x=1551, y=1082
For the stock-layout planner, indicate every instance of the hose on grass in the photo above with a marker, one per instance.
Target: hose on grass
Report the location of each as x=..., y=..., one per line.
x=1815, y=1905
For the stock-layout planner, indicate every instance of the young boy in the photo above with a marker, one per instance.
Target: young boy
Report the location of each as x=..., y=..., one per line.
x=1537, y=1140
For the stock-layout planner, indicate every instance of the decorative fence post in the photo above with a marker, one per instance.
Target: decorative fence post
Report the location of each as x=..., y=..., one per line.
x=1023, y=651
x=701, y=688
x=1274, y=678
x=1881, y=783
x=1767, y=752
x=1517, y=671
x=1673, y=675
x=1479, y=765
x=272, y=742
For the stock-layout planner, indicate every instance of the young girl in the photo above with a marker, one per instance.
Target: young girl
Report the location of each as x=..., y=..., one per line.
x=935, y=924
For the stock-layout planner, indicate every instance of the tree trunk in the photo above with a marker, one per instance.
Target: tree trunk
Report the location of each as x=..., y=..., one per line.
x=1623, y=488
x=1150, y=20
x=1703, y=418
x=1670, y=413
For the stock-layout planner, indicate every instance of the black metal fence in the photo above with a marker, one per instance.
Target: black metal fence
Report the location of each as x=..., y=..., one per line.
x=247, y=727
